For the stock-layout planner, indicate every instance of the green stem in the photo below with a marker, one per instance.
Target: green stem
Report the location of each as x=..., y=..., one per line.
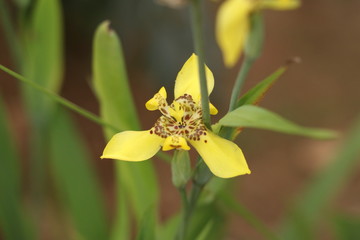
x=188, y=209
x=10, y=35
x=196, y=23
x=60, y=100
x=244, y=70
x=72, y=106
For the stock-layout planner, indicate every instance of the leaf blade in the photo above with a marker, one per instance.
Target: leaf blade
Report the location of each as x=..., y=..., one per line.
x=257, y=117
x=13, y=220
x=136, y=183
x=76, y=179
x=255, y=95
x=305, y=214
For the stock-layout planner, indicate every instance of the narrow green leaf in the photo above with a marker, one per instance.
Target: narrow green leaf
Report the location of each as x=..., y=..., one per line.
x=169, y=228
x=235, y=207
x=147, y=230
x=110, y=81
x=12, y=215
x=257, y=117
x=135, y=182
x=204, y=234
x=22, y=3
x=43, y=56
x=76, y=179
x=319, y=193
x=255, y=95
x=204, y=215
x=347, y=227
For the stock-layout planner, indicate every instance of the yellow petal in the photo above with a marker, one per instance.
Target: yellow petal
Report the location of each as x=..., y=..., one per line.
x=133, y=146
x=177, y=112
x=175, y=142
x=224, y=158
x=232, y=27
x=213, y=109
x=187, y=80
x=159, y=97
x=280, y=4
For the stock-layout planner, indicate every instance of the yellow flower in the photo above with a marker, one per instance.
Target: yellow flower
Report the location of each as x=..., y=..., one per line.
x=233, y=24
x=181, y=123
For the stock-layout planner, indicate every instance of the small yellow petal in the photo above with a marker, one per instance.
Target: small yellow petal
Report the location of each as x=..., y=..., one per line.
x=187, y=80
x=177, y=112
x=213, y=109
x=232, y=28
x=224, y=158
x=280, y=4
x=175, y=142
x=133, y=146
x=153, y=103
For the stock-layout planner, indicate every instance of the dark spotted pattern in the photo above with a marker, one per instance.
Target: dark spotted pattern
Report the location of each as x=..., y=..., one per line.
x=190, y=126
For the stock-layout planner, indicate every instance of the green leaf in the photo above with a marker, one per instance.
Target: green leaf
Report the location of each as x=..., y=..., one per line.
x=205, y=215
x=147, y=229
x=319, y=193
x=76, y=180
x=110, y=81
x=43, y=57
x=257, y=117
x=13, y=220
x=255, y=95
x=22, y=3
x=235, y=207
x=169, y=228
x=347, y=227
x=135, y=182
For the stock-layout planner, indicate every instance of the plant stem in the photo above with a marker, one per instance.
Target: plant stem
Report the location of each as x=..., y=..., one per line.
x=244, y=70
x=72, y=106
x=188, y=209
x=196, y=23
x=60, y=99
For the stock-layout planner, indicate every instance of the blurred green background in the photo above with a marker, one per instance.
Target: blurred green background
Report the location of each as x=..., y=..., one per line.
x=322, y=91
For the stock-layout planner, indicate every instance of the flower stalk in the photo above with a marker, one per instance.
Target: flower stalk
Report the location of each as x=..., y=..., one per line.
x=196, y=23
x=253, y=48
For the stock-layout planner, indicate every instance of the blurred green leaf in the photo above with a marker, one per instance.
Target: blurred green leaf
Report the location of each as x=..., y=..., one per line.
x=147, y=229
x=347, y=227
x=257, y=117
x=255, y=95
x=43, y=57
x=319, y=193
x=13, y=222
x=22, y=3
x=135, y=182
x=9, y=33
x=205, y=215
x=235, y=207
x=110, y=81
x=76, y=179
x=169, y=228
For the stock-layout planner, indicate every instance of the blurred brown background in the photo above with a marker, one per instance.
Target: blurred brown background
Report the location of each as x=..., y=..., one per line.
x=322, y=91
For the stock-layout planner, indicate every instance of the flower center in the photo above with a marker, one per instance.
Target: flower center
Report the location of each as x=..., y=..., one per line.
x=183, y=118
